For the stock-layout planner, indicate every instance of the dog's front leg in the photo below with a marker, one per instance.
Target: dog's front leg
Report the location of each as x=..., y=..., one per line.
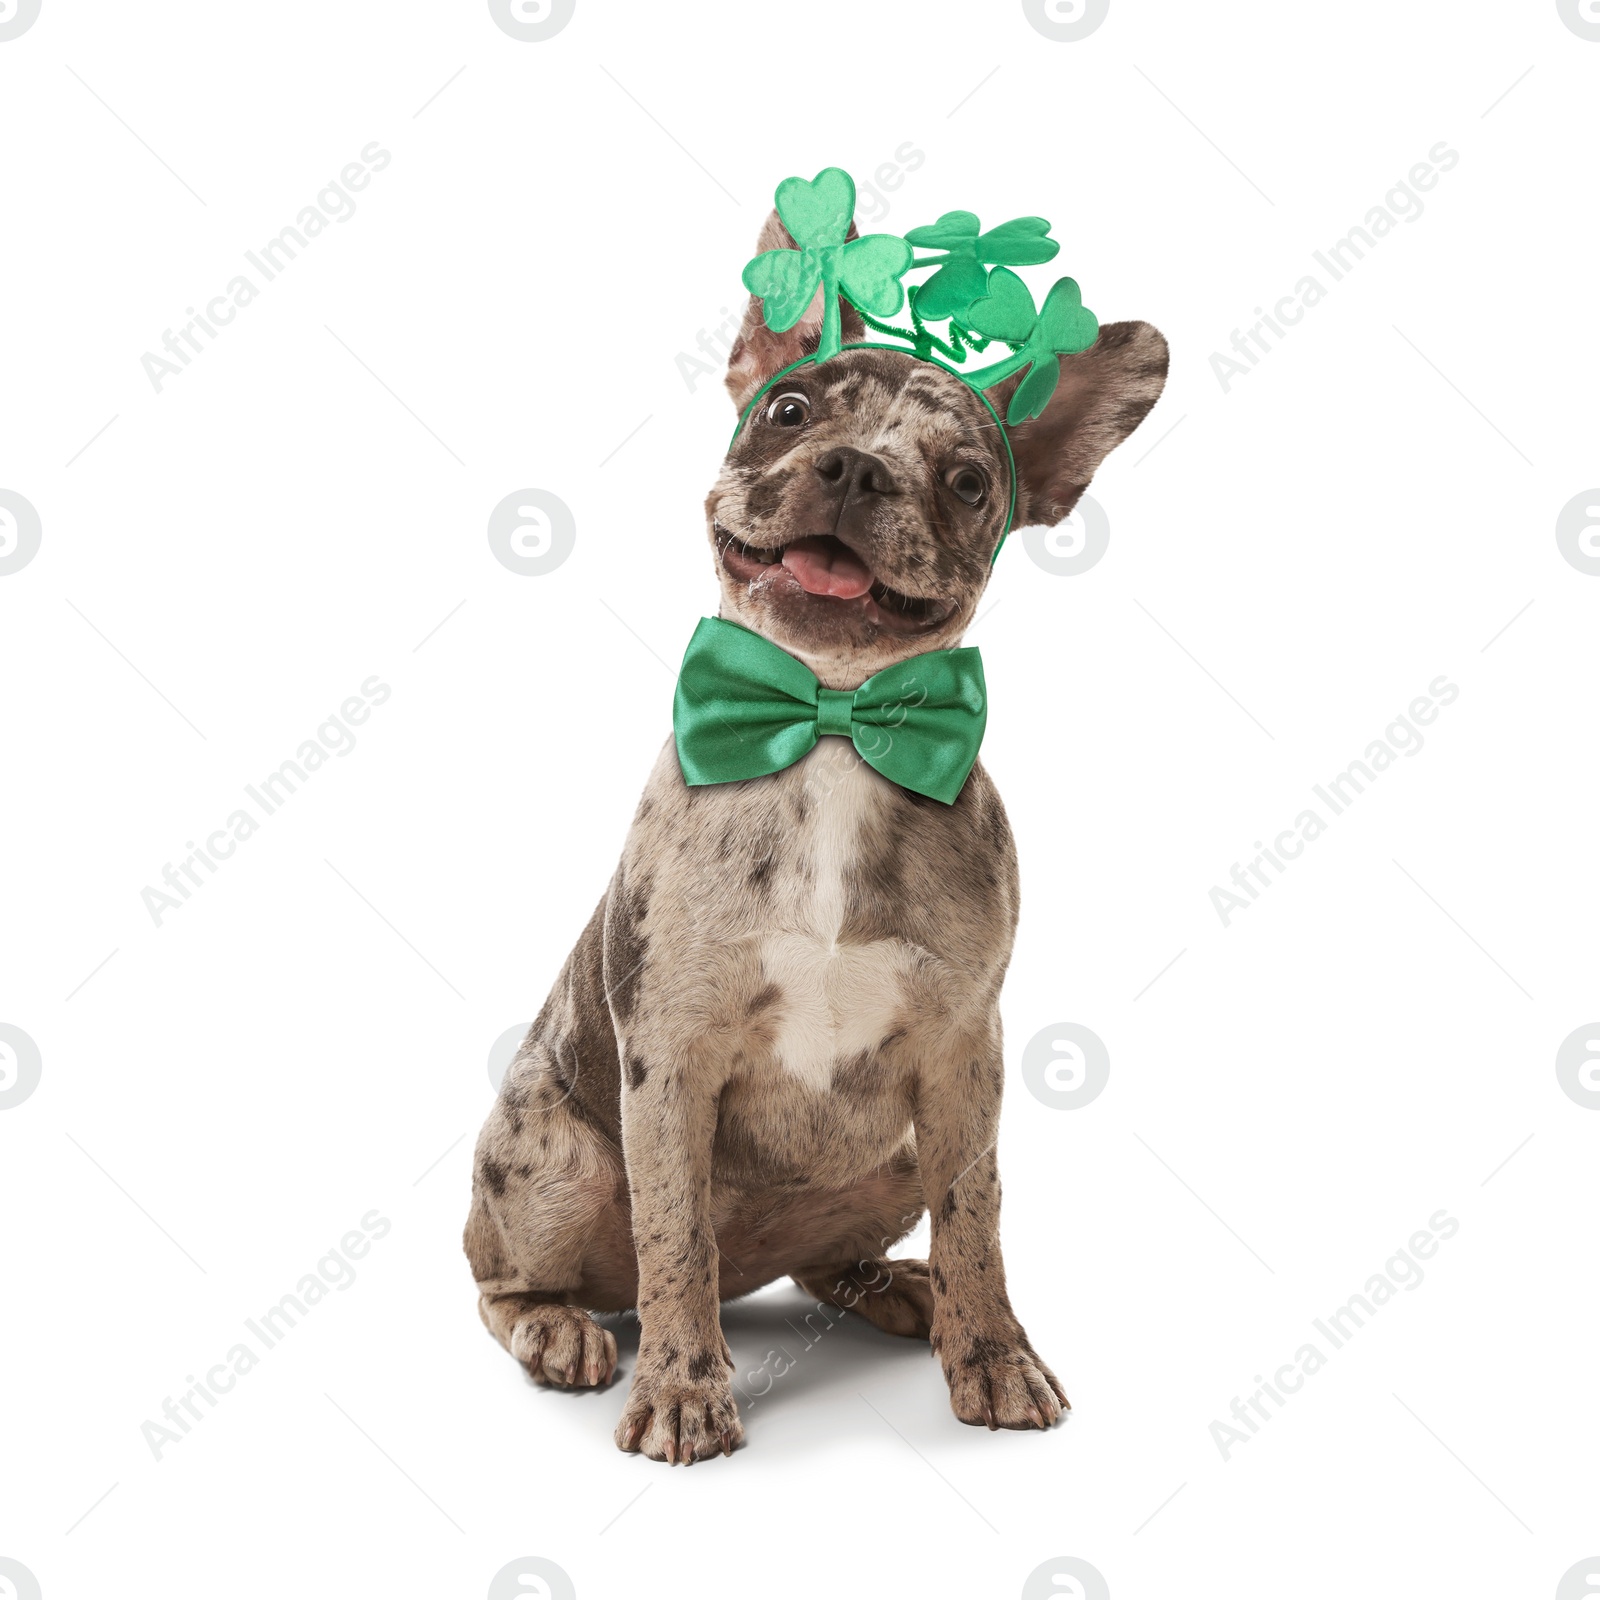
x=995, y=1377
x=681, y=1405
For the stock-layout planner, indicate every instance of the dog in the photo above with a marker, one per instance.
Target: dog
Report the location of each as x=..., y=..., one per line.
x=777, y=1044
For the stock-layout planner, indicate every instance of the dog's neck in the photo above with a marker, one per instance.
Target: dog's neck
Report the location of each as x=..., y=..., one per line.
x=846, y=670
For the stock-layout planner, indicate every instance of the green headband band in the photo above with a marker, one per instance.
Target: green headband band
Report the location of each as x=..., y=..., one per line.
x=1011, y=463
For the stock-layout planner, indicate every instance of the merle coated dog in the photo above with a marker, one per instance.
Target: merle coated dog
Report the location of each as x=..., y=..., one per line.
x=777, y=1042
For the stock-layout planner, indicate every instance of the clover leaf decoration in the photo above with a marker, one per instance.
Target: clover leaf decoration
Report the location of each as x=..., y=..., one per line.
x=1063, y=326
x=866, y=270
x=972, y=288
x=1022, y=242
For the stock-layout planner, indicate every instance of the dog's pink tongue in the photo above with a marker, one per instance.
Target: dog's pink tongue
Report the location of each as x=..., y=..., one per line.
x=825, y=566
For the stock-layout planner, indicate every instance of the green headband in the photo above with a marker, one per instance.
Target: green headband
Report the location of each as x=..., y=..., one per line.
x=972, y=290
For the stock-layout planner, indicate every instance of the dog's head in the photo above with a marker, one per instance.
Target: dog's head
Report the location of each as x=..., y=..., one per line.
x=859, y=507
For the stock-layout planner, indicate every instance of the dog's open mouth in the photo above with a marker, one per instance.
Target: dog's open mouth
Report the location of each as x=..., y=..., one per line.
x=827, y=568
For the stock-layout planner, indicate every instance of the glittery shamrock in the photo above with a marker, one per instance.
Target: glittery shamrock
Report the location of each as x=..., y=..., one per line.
x=1063, y=326
x=866, y=270
x=961, y=278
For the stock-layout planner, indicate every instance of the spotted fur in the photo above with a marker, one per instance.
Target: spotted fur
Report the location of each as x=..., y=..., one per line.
x=777, y=1042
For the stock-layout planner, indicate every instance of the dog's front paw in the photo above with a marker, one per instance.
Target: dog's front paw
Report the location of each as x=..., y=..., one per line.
x=673, y=1418
x=1000, y=1382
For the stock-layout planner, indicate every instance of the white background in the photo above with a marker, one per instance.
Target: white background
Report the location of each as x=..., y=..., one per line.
x=1291, y=563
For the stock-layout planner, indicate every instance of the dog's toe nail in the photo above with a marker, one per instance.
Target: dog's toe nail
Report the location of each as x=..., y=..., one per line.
x=727, y=1444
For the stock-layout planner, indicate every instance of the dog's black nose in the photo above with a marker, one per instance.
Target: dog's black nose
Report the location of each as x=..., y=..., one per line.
x=855, y=472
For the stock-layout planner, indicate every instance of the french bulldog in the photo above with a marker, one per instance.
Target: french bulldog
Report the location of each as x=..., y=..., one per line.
x=776, y=1044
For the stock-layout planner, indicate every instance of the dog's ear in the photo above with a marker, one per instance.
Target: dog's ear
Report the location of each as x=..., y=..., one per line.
x=1102, y=396
x=758, y=352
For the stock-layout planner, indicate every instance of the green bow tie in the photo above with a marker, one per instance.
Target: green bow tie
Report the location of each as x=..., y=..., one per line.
x=745, y=708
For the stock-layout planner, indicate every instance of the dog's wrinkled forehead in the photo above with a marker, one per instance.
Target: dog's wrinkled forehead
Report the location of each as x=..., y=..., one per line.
x=884, y=402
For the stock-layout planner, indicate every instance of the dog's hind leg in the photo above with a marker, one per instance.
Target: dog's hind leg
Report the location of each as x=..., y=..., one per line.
x=854, y=1272
x=536, y=1320
x=896, y=1296
x=548, y=1235
x=560, y=1345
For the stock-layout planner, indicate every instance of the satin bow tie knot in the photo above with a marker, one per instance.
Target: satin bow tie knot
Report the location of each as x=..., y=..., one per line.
x=745, y=708
x=835, y=710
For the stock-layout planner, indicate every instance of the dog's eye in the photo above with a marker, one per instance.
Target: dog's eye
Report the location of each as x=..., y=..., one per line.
x=789, y=410
x=968, y=484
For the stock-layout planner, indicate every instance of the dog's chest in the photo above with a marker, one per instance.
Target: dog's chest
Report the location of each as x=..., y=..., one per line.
x=829, y=949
